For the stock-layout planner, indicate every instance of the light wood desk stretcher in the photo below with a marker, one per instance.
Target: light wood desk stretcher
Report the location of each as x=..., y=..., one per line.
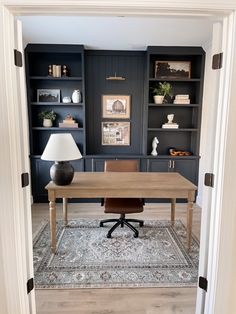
x=125, y=185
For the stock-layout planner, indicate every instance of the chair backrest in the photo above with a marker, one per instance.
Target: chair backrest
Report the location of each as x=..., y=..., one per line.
x=127, y=165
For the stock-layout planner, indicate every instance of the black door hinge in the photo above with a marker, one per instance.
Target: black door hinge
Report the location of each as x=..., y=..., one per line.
x=202, y=283
x=24, y=179
x=30, y=285
x=18, y=58
x=217, y=60
x=209, y=179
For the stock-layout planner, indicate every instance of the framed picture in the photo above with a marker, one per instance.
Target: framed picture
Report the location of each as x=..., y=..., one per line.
x=116, y=133
x=116, y=106
x=172, y=69
x=48, y=95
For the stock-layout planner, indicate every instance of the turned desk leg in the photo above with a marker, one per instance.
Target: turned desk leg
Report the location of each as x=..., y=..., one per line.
x=65, y=210
x=52, y=210
x=173, y=203
x=189, y=223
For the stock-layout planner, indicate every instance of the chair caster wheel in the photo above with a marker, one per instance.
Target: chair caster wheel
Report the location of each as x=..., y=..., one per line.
x=109, y=236
x=101, y=224
x=136, y=235
x=141, y=224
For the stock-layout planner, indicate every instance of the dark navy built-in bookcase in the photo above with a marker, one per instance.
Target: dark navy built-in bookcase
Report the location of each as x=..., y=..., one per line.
x=133, y=74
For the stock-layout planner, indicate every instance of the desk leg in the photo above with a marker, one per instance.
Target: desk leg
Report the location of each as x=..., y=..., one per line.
x=53, y=228
x=65, y=203
x=189, y=223
x=173, y=202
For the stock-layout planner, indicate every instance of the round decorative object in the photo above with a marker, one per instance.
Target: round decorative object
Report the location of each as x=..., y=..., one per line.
x=62, y=173
x=76, y=96
x=47, y=123
x=66, y=99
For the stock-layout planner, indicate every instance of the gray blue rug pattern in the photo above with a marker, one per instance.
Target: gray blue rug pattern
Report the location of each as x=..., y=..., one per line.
x=87, y=259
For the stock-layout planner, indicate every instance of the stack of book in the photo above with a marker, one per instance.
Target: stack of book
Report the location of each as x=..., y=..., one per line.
x=182, y=99
x=170, y=126
x=68, y=123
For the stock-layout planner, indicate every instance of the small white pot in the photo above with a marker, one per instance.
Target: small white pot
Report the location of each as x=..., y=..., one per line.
x=158, y=99
x=47, y=123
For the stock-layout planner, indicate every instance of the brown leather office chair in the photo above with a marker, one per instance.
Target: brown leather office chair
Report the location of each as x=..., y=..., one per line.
x=122, y=206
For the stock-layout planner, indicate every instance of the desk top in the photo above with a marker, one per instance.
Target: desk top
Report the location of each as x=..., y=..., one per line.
x=124, y=184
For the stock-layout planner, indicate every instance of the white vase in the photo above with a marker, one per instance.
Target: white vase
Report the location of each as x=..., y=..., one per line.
x=76, y=96
x=47, y=123
x=158, y=99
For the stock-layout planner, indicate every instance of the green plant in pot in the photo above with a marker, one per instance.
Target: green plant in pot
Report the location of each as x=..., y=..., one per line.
x=48, y=117
x=161, y=91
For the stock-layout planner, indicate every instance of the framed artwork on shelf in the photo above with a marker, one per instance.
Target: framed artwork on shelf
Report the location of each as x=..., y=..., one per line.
x=116, y=133
x=116, y=106
x=48, y=95
x=172, y=69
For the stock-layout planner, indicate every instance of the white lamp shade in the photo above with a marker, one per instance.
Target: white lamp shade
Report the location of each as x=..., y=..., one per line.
x=61, y=147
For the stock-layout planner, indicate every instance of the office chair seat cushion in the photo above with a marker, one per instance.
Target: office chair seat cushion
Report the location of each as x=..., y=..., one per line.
x=123, y=205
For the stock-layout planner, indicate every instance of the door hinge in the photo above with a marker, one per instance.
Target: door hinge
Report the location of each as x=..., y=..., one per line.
x=24, y=179
x=30, y=285
x=18, y=58
x=209, y=179
x=202, y=283
x=217, y=60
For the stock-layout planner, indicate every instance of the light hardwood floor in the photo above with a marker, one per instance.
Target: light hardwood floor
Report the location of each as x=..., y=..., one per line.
x=116, y=301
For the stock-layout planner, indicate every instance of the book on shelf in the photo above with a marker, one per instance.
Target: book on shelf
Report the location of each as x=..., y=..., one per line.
x=182, y=96
x=68, y=121
x=68, y=125
x=170, y=126
x=181, y=101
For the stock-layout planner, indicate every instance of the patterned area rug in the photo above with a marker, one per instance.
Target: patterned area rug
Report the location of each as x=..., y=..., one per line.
x=86, y=258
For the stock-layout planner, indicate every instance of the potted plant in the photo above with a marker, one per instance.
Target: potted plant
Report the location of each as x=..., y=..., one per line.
x=48, y=117
x=161, y=91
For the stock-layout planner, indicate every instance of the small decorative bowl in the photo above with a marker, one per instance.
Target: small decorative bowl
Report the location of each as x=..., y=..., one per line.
x=66, y=99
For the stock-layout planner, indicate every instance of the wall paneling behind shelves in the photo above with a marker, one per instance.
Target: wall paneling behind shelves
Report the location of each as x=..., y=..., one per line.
x=98, y=66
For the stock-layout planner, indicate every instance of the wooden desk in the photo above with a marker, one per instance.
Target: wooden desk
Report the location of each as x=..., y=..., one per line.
x=125, y=185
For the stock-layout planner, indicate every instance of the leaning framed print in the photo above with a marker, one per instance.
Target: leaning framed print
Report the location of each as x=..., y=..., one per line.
x=116, y=133
x=48, y=95
x=116, y=106
x=172, y=69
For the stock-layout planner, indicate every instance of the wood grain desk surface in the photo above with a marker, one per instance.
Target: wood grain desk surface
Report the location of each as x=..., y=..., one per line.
x=124, y=184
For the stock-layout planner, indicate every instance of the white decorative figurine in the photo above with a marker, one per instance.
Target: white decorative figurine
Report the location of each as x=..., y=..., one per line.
x=154, y=146
x=170, y=118
x=170, y=124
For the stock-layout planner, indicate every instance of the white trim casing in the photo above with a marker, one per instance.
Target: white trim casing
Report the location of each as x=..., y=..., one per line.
x=12, y=229
x=222, y=233
x=12, y=222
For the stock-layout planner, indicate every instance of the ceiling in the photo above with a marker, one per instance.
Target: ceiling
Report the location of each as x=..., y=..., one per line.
x=117, y=33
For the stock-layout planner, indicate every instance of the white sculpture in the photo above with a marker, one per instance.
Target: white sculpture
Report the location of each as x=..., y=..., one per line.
x=170, y=118
x=154, y=146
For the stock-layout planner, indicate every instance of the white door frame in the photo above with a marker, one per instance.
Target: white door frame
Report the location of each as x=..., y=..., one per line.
x=13, y=226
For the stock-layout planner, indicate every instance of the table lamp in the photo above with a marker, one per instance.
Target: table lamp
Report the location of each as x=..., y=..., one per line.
x=61, y=148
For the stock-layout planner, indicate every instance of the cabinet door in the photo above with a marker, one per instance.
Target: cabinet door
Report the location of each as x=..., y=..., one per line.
x=187, y=168
x=158, y=165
